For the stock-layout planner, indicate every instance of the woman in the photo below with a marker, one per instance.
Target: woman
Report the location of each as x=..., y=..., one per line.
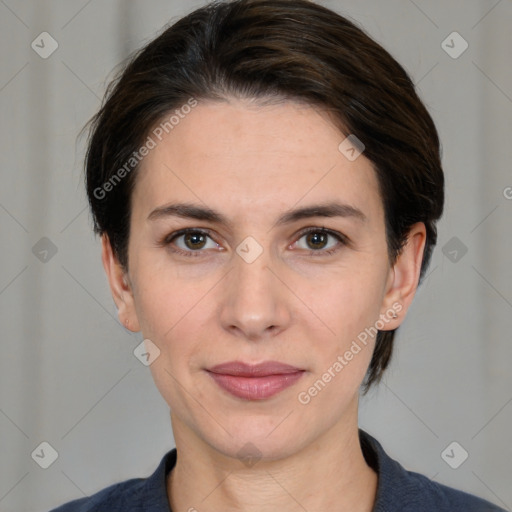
x=267, y=184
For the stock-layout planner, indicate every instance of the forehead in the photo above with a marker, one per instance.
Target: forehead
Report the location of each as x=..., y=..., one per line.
x=235, y=155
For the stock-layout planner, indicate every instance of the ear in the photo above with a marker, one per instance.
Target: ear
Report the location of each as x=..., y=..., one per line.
x=120, y=286
x=403, y=278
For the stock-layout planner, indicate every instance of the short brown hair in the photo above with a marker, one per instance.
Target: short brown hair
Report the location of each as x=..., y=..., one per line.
x=281, y=49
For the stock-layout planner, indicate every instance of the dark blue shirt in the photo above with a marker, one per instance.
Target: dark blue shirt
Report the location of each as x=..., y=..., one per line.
x=398, y=490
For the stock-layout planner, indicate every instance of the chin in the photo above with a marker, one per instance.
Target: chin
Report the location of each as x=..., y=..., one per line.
x=250, y=450
x=259, y=439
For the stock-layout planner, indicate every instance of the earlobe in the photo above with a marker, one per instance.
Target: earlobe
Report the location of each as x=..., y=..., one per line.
x=404, y=276
x=120, y=286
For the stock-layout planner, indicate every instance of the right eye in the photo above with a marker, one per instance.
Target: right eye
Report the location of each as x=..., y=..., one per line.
x=192, y=241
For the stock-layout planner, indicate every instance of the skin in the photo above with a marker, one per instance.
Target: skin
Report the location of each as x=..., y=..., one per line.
x=252, y=164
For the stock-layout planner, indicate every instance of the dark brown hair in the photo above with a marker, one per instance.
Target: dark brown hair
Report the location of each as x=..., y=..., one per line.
x=272, y=49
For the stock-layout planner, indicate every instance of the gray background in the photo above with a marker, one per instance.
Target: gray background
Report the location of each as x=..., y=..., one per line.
x=68, y=375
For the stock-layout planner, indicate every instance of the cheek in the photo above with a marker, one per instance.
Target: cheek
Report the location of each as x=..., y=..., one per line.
x=174, y=323
x=350, y=308
x=162, y=298
x=172, y=312
x=349, y=302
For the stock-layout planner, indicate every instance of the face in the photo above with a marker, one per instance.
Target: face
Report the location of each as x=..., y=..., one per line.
x=257, y=283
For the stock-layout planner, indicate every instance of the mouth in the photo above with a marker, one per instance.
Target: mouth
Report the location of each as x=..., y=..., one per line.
x=255, y=382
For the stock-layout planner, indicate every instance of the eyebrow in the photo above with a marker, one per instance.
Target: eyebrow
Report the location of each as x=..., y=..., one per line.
x=193, y=211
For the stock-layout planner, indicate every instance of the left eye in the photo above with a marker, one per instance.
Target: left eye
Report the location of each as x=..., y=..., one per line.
x=317, y=240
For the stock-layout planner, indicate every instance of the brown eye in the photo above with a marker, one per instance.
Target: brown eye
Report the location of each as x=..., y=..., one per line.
x=195, y=240
x=316, y=240
x=190, y=242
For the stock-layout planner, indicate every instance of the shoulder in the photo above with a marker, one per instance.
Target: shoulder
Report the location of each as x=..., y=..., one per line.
x=407, y=491
x=425, y=495
x=134, y=495
x=116, y=497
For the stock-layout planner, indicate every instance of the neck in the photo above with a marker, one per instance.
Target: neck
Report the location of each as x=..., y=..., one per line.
x=329, y=474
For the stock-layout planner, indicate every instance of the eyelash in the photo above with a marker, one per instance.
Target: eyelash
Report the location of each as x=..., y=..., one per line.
x=168, y=239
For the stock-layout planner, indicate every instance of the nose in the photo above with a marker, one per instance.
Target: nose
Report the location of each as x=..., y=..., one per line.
x=255, y=303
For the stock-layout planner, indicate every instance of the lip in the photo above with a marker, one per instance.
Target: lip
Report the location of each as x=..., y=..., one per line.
x=241, y=369
x=255, y=382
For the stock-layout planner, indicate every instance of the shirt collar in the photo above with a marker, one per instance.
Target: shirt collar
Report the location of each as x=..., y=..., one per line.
x=390, y=476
